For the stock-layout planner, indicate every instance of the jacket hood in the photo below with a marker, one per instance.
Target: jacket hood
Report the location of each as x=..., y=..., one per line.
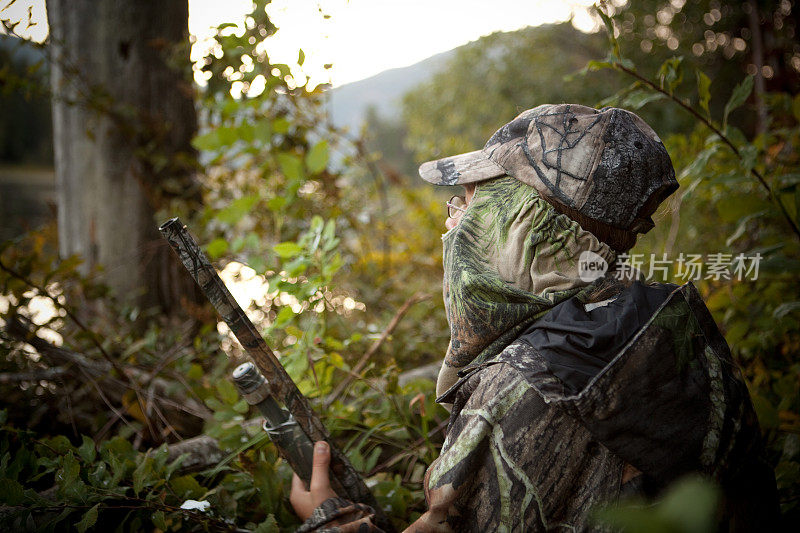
x=578, y=340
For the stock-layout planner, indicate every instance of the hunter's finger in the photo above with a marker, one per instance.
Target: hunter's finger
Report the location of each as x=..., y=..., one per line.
x=319, y=472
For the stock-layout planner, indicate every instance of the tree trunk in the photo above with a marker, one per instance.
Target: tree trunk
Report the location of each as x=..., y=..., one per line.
x=123, y=119
x=757, y=45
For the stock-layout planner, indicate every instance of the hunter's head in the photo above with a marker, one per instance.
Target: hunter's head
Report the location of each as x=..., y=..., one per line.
x=605, y=169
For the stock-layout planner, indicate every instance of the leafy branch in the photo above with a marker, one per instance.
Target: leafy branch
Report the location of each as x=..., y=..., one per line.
x=669, y=73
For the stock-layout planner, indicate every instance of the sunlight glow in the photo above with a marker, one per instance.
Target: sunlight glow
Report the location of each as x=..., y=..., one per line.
x=348, y=40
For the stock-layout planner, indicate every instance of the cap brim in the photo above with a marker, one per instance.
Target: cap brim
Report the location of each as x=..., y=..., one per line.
x=461, y=169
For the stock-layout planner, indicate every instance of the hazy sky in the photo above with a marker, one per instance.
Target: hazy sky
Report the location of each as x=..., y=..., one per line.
x=364, y=37
x=361, y=37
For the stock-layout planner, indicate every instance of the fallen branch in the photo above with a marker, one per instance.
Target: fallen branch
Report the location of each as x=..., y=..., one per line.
x=78, y=364
x=46, y=374
x=201, y=452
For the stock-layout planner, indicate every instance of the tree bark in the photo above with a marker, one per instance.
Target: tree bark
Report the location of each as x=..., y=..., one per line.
x=754, y=20
x=123, y=119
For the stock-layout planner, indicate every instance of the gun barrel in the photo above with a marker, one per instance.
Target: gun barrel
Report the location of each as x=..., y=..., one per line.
x=293, y=444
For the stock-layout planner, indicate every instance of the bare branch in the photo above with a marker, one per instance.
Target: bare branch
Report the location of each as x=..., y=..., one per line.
x=375, y=345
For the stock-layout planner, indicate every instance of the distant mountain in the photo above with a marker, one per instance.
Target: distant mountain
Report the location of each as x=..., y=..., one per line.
x=348, y=104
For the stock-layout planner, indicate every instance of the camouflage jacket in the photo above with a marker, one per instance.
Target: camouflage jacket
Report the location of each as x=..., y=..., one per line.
x=588, y=405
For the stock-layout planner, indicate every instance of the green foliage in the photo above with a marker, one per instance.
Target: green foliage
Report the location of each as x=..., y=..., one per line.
x=115, y=482
x=490, y=81
x=740, y=93
x=102, y=393
x=703, y=90
x=689, y=506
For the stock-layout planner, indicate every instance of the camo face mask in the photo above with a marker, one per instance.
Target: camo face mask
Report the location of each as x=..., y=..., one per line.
x=510, y=259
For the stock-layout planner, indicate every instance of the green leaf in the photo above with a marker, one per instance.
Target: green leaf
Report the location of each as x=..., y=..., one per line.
x=595, y=65
x=317, y=157
x=195, y=372
x=252, y=240
x=51, y=524
x=372, y=459
x=89, y=519
x=241, y=406
x=296, y=267
x=671, y=73
x=216, y=248
x=207, y=142
x=639, y=98
x=301, y=57
x=262, y=130
x=87, y=450
x=287, y=250
x=100, y=476
x=216, y=139
x=284, y=316
x=703, y=90
x=276, y=203
x=291, y=166
x=187, y=488
x=237, y=209
x=739, y=95
x=237, y=244
x=257, y=263
x=749, y=155
x=214, y=404
x=742, y=227
x=270, y=525
x=316, y=224
x=118, y=447
x=227, y=391
x=159, y=520
x=69, y=471
x=11, y=492
x=283, y=68
x=281, y=125
x=332, y=266
x=689, y=506
x=60, y=444
x=141, y=474
x=174, y=465
x=698, y=165
x=609, y=24
x=329, y=236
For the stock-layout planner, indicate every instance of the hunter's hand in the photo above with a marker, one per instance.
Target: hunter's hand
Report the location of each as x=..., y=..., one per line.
x=305, y=501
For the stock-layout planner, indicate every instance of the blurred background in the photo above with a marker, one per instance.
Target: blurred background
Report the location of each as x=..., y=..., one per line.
x=287, y=135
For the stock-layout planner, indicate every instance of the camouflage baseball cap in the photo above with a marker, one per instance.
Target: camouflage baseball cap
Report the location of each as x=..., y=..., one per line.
x=604, y=168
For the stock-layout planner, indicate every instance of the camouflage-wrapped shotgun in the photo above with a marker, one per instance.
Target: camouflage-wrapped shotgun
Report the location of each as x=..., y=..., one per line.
x=344, y=478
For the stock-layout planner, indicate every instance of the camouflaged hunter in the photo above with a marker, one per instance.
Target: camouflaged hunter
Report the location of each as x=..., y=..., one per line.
x=566, y=393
